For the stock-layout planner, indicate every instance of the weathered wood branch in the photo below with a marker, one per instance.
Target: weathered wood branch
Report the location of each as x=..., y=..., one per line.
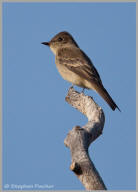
x=80, y=138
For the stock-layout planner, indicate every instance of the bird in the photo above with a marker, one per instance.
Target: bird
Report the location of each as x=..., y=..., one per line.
x=76, y=67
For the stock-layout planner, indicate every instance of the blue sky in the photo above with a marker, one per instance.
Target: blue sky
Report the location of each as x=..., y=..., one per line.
x=36, y=118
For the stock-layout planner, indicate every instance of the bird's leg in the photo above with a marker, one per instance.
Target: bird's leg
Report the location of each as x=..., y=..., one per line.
x=83, y=90
x=72, y=86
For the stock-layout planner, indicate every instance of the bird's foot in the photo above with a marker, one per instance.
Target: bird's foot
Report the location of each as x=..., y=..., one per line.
x=72, y=86
x=83, y=90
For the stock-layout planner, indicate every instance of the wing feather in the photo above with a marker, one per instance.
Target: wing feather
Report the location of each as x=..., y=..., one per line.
x=78, y=62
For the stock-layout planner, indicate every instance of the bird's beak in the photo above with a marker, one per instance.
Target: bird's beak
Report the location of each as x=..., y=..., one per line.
x=46, y=43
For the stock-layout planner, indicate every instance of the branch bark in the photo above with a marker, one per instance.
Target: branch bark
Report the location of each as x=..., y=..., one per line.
x=80, y=138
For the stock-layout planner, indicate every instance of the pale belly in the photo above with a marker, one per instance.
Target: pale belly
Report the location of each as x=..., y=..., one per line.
x=73, y=77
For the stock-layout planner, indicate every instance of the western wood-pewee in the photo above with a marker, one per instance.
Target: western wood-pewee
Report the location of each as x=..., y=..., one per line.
x=76, y=67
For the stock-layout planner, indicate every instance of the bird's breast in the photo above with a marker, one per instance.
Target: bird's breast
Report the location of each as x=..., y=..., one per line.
x=69, y=75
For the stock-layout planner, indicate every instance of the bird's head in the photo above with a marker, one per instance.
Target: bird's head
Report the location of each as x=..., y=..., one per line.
x=62, y=39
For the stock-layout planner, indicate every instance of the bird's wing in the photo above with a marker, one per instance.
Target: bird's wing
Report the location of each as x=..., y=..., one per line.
x=78, y=62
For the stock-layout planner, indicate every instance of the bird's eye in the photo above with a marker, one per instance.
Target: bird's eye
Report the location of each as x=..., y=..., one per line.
x=60, y=39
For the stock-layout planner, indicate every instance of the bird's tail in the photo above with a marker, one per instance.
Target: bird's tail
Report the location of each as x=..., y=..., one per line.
x=105, y=95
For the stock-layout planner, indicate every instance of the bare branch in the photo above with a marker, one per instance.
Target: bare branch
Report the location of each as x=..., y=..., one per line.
x=80, y=138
